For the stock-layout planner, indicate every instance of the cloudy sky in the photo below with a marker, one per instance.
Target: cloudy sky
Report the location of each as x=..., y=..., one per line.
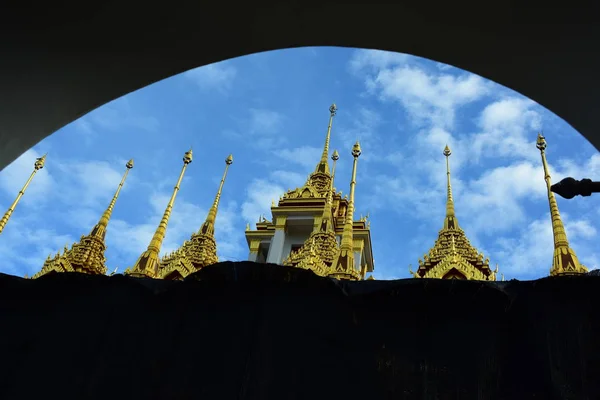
x=271, y=111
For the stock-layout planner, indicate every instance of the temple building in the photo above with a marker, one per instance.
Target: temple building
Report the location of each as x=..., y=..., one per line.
x=313, y=227
x=565, y=261
x=452, y=256
x=86, y=256
x=38, y=165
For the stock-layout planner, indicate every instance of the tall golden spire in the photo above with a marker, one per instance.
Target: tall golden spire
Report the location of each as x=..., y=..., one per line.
x=327, y=220
x=452, y=256
x=208, y=227
x=450, y=221
x=201, y=250
x=100, y=228
x=343, y=266
x=39, y=164
x=147, y=264
x=86, y=256
x=323, y=165
x=565, y=260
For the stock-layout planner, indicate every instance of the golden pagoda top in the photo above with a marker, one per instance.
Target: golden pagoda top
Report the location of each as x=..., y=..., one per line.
x=88, y=255
x=452, y=256
x=565, y=261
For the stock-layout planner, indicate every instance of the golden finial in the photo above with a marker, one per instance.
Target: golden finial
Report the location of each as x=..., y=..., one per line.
x=37, y=165
x=100, y=229
x=323, y=165
x=272, y=203
x=327, y=219
x=565, y=260
x=208, y=228
x=450, y=221
x=147, y=263
x=247, y=226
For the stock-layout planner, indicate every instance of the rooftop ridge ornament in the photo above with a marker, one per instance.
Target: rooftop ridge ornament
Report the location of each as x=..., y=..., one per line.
x=37, y=165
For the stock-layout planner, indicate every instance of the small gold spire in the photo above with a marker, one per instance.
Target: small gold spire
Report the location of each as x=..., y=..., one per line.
x=100, y=228
x=323, y=165
x=208, y=228
x=327, y=219
x=37, y=165
x=565, y=260
x=147, y=263
x=450, y=221
x=344, y=262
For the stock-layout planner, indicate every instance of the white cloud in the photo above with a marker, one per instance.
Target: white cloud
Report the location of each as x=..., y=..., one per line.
x=265, y=122
x=376, y=59
x=118, y=115
x=305, y=156
x=508, y=129
x=427, y=97
x=259, y=195
x=289, y=179
x=218, y=76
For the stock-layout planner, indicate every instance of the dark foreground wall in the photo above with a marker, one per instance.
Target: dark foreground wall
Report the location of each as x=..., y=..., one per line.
x=252, y=331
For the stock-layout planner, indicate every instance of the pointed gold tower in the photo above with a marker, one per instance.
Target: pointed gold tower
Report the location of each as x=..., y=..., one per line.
x=39, y=164
x=86, y=256
x=320, y=179
x=453, y=256
x=147, y=263
x=344, y=265
x=565, y=260
x=321, y=247
x=201, y=249
x=308, y=222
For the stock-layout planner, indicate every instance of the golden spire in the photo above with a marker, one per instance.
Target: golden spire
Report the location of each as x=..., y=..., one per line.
x=86, y=256
x=100, y=228
x=450, y=221
x=39, y=164
x=208, y=228
x=323, y=166
x=565, y=260
x=344, y=263
x=327, y=220
x=147, y=264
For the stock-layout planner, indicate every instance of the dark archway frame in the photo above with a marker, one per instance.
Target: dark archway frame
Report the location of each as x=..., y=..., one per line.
x=59, y=63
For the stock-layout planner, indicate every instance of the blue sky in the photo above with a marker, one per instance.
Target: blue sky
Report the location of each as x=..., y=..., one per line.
x=271, y=111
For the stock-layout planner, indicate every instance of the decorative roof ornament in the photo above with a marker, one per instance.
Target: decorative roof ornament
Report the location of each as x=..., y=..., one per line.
x=87, y=256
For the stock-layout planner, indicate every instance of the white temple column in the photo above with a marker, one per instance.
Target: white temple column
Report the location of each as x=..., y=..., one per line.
x=276, y=248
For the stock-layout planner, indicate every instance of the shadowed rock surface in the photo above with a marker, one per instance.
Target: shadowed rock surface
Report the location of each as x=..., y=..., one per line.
x=259, y=331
